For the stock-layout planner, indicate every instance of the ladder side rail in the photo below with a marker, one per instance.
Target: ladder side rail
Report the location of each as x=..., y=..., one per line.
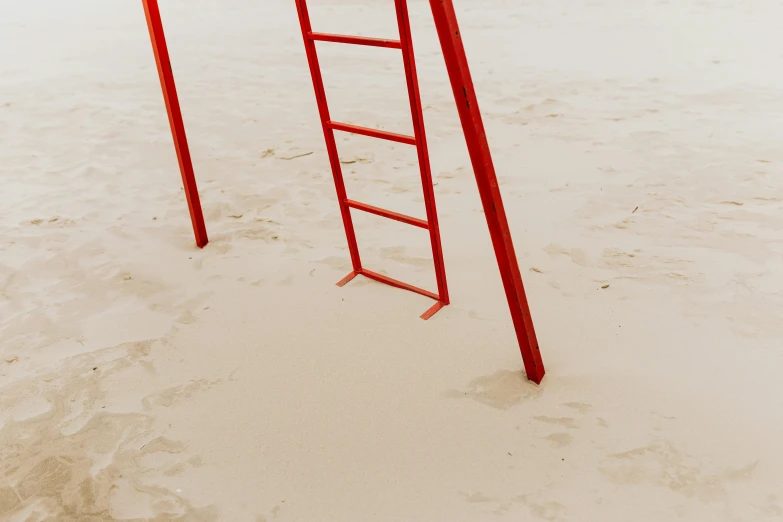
x=331, y=145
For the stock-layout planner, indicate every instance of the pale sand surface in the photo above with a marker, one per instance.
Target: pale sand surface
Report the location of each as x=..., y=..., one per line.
x=639, y=145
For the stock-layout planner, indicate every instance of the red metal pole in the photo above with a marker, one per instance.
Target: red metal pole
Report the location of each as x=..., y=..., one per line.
x=475, y=136
x=417, y=115
x=175, y=119
x=328, y=129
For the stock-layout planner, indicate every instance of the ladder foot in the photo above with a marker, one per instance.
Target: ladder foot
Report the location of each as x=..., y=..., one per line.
x=345, y=280
x=434, y=309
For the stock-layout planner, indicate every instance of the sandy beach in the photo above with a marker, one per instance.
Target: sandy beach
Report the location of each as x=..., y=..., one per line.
x=639, y=150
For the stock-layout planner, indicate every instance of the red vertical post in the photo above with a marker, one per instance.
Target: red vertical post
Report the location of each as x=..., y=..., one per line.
x=409, y=61
x=331, y=145
x=478, y=148
x=158, y=39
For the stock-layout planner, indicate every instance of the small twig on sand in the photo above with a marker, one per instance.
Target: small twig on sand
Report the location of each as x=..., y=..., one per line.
x=297, y=156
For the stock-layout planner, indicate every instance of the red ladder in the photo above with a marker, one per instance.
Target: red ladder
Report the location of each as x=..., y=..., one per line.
x=418, y=139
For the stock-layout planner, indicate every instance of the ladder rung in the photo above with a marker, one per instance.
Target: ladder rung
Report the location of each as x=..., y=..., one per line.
x=356, y=40
x=398, y=284
x=388, y=214
x=373, y=133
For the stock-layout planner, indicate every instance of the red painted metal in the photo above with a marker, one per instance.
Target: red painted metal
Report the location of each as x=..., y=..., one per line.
x=434, y=309
x=373, y=133
x=331, y=145
x=421, y=146
x=399, y=284
x=478, y=147
x=355, y=40
x=160, y=49
x=347, y=279
x=416, y=222
x=418, y=139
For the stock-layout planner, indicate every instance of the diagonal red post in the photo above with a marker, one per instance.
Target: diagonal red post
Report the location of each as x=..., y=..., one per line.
x=175, y=119
x=476, y=138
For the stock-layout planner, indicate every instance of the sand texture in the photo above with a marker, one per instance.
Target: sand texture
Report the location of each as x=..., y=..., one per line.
x=639, y=147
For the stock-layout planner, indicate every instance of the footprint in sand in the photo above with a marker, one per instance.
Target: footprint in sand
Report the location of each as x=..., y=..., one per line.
x=502, y=390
